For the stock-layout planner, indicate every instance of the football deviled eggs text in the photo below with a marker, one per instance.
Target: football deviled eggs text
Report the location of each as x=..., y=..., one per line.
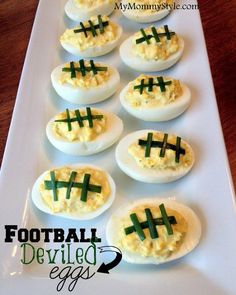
x=154, y=231
x=85, y=81
x=155, y=98
x=152, y=49
x=92, y=38
x=75, y=192
x=154, y=157
x=146, y=10
x=84, y=131
x=81, y=10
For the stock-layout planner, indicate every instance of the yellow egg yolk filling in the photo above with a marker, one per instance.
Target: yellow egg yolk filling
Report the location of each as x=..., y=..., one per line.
x=155, y=50
x=77, y=133
x=74, y=205
x=83, y=42
x=87, y=81
x=91, y=3
x=154, y=98
x=161, y=247
x=157, y=162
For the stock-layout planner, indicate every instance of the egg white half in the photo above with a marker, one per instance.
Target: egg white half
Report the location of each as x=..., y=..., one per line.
x=142, y=65
x=38, y=202
x=77, y=14
x=128, y=165
x=159, y=113
x=114, y=129
x=144, y=17
x=191, y=239
x=82, y=96
x=94, y=51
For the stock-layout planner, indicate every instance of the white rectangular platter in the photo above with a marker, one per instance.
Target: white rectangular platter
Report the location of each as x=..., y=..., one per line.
x=208, y=190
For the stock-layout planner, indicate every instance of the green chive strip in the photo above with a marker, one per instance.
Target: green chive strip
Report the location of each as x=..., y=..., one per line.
x=142, y=86
x=93, y=30
x=162, y=84
x=53, y=184
x=145, y=36
x=159, y=144
x=100, y=69
x=82, y=67
x=155, y=34
x=64, y=184
x=144, y=224
x=148, y=146
x=83, y=29
x=137, y=226
x=164, y=144
x=143, y=39
x=166, y=220
x=89, y=117
x=86, y=29
x=101, y=28
x=93, y=67
x=150, y=82
x=68, y=120
x=178, y=148
x=151, y=224
x=84, y=192
x=71, y=181
x=72, y=68
x=168, y=36
x=79, y=118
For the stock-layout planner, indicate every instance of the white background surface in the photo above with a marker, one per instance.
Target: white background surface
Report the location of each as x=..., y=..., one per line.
x=211, y=267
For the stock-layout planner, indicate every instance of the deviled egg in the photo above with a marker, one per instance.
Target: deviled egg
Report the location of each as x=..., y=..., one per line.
x=84, y=132
x=155, y=98
x=85, y=81
x=146, y=11
x=81, y=10
x=152, y=49
x=92, y=38
x=77, y=192
x=154, y=231
x=154, y=157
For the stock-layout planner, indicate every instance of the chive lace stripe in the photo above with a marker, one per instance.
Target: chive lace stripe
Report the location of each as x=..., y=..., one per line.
x=85, y=186
x=146, y=38
x=92, y=27
x=83, y=69
x=80, y=119
x=163, y=145
x=151, y=223
x=150, y=84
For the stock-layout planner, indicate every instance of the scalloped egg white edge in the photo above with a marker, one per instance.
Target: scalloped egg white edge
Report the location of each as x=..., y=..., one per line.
x=94, y=51
x=139, y=64
x=38, y=202
x=144, y=18
x=103, y=141
x=128, y=165
x=159, y=113
x=84, y=95
x=77, y=14
x=191, y=239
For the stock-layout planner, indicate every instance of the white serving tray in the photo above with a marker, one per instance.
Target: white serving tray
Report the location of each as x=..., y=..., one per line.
x=208, y=189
